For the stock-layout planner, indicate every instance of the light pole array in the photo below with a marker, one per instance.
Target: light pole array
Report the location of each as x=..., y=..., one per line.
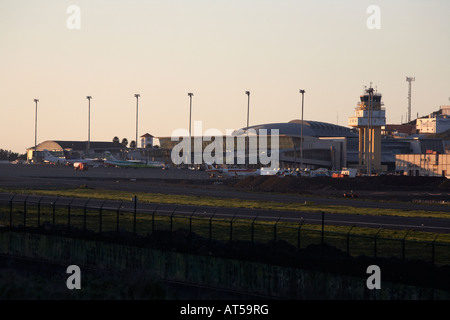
x=137, y=95
x=248, y=116
x=89, y=123
x=301, y=134
x=190, y=94
x=35, y=130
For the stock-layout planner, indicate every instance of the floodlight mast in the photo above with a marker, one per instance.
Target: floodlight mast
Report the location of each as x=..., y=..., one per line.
x=190, y=94
x=301, y=134
x=89, y=123
x=409, y=80
x=248, y=123
x=137, y=95
x=35, y=131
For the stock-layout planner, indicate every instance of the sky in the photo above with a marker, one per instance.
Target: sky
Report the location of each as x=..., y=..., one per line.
x=216, y=49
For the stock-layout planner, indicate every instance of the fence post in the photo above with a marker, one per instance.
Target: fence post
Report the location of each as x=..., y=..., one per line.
x=231, y=226
x=53, y=210
x=68, y=214
x=190, y=228
x=11, y=210
x=298, y=235
x=25, y=211
x=432, y=248
x=253, y=229
x=117, y=219
x=85, y=215
x=348, y=239
x=39, y=212
x=210, y=227
x=275, y=234
x=403, y=245
x=375, y=243
x=134, y=218
x=323, y=228
x=171, y=220
x=153, y=219
x=100, y=217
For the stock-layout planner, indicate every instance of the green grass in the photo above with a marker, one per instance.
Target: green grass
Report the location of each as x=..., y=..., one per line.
x=226, y=202
x=358, y=240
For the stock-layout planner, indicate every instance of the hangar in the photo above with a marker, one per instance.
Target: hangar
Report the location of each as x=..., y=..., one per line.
x=76, y=149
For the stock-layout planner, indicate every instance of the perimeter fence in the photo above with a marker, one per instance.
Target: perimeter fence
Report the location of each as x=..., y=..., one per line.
x=214, y=226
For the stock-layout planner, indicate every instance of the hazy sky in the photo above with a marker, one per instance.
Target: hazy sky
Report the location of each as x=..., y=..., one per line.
x=216, y=49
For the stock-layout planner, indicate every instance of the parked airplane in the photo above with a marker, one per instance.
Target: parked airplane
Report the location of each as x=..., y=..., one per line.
x=49, y=158
x=86, y=161
x=113, y=162
x=234, y=172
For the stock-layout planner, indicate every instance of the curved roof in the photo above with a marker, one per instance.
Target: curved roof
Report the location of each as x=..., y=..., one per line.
x=310, y=128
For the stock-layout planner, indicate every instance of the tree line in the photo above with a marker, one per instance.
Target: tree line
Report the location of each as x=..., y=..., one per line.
x=124, y=142
x=11, y=156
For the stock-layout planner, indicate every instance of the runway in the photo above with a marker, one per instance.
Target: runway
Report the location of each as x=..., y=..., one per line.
x=190, y=182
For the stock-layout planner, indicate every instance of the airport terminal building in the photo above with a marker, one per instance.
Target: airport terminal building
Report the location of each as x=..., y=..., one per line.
x=324, y=144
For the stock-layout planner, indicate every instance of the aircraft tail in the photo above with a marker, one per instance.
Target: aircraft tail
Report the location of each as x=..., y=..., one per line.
x=47, y=154
x=109, y=156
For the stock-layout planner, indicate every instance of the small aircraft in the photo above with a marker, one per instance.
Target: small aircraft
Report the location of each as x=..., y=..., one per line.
x=113, y=162
x=50, y=158
x=83, y=161
x=233, y=172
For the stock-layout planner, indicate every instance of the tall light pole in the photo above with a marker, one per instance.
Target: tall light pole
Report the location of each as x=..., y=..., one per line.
x=409, y=80
x=137, y=95
x=369, y=160
x=248, y=116
x=190, y=94
x=301, y=133
x=89, y=123
x=35, y=130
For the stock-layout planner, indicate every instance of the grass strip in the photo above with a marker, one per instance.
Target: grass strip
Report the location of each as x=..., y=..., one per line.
x=226, y=202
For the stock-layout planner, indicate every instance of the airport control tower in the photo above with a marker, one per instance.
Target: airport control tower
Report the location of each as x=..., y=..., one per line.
x=370, y=116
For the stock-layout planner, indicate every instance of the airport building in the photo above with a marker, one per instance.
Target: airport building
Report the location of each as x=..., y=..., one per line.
x=369, y=118
x=76, y=149
x=436, y=122
x=324, y=144
x=429, y=164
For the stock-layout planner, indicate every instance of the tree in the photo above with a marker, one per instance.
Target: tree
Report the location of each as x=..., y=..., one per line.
x=9, y=155
x=125, y=142
x=116, y=141
x=133, y=144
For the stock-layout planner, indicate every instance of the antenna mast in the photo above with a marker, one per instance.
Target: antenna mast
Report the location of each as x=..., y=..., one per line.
x=409, y=80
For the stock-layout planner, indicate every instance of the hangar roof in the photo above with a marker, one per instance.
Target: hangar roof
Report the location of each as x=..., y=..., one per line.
x=310, y=128
x=76, y=145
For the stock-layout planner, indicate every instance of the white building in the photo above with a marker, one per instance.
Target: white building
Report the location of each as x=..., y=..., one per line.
x=435, y=123
x=430, y=164
x=146, y=141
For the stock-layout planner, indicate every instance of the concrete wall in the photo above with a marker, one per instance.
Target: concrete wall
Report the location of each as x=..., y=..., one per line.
x=219, y=273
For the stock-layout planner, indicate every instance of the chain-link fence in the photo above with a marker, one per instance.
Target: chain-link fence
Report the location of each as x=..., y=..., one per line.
x=143, y=219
